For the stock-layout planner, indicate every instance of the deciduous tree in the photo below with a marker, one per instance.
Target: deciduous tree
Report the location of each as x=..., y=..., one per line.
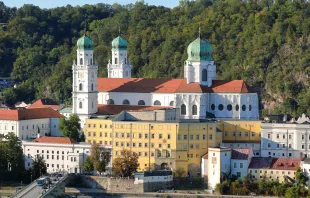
x=126, y=164
x=100, y=158
x=70, y=127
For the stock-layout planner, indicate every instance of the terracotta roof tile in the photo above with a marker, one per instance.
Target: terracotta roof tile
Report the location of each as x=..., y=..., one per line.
x=205, y=156
x=274, y=163
x=116, y=109
x=29, y=114
x=58, y=140
x=144, y=85
x=45, y=103
x=241, y=153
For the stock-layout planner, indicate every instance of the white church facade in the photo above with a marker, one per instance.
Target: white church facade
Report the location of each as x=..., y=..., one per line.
x=199, y=95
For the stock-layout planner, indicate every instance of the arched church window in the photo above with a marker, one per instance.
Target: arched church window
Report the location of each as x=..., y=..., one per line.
x=91, y=61
x=213, y=107
x=81, y=105
x=110, y=102
x=243, y=107
x=81, y=61
x=204, y=75
x=183, y=109
x=221, y=107
x=157, y=103
x=229, y=107
x=92, y=87
x=141, y=102
x=126, y=73
x=250, y=107
x=126, y=102
x=194, y=110
x=125, y=60
x=92, y=104
x=171, y=103
x=237, y=107
x=81, y=87
x=115, y=61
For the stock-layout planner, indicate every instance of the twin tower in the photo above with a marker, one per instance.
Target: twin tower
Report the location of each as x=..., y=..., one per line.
x=198, y=68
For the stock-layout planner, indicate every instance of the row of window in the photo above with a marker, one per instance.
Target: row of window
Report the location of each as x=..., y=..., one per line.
x=146, y=154
x=139, y=145
x=283, y=154
x=140, y=102
x=81, y=87
x=90, y=61
x=191, y=137
x=229, y=107
x=194, y=109
x=101, y=126
x=271, y=172
x=284, y=136
x=246, y=134
x=122, y=135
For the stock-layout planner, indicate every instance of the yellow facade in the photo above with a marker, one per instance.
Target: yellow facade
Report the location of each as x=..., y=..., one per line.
x=158, y=144
x=241, y=131
x=272, y=174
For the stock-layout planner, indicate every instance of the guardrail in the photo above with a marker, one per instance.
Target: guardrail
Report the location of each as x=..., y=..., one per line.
x=25, y=191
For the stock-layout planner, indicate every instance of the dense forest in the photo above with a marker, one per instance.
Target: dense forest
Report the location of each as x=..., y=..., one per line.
x=265, y=42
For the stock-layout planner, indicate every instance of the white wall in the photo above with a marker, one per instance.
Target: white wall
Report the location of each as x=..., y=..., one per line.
x=58, y=157
x=143, y=179
x=296, y=136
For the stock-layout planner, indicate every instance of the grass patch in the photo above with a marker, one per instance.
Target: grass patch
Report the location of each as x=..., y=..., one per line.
x=6, y=194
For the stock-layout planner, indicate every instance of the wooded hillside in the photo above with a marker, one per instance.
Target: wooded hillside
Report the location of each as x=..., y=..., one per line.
x=264, y=42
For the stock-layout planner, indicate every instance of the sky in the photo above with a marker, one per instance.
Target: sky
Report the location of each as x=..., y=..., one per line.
x=57, y=3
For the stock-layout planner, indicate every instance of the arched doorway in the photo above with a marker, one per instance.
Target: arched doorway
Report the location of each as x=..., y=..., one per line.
x=164, y=166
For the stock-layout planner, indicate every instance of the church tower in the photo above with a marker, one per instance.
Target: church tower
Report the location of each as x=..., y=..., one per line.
x=120, y=66
x=200, y=67
x=84, y=93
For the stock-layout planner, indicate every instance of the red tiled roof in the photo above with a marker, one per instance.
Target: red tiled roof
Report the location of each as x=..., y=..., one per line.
x=205, y=156
x=285, y=163
x=274, y=163
x=144, y=85
x=45, y=103
x=116, y=109
x=29, y=114
x=58, y=140
x=240, y=153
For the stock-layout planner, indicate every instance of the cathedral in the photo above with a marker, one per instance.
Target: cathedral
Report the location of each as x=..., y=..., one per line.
x=198, y=95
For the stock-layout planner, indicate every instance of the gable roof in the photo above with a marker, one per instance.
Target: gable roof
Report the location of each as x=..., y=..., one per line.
x=241, y=153
x=28, y=114
x=274, y=163
x=116, y=109
x=45, y=103
x=57, y=140
x=205, y=156
x=145, y=85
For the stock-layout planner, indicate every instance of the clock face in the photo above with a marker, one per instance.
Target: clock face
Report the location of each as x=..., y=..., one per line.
x=81, y=75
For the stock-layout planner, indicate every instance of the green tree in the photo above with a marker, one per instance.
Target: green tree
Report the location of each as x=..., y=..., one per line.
x=70, y=127
x=291, y=192
x=179, y=172
x=100, y=157
x=126, y=164
x=38, y=167
x=9, y=97
x=88, y=164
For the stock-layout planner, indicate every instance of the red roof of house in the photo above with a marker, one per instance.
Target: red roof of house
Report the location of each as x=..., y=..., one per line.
x=116, y=109
x=241, y=153
x=144, y=85
x=205, y=156
x=274, y=163
x=58, y=140
x=28, y=114
x=285, y=163
x=45, y=103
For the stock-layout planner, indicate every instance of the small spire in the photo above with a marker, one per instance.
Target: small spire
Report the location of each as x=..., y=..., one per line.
x=119, y=30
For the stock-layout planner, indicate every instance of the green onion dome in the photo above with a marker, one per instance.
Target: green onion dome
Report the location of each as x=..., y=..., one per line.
x=199, y=50
x=85, y=43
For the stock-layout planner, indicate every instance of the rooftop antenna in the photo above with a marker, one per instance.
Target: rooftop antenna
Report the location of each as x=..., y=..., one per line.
x=199, y=30
x=119, y=30
x=85, y=26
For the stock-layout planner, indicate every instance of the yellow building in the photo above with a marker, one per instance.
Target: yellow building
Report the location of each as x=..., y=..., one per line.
x=274, y=168
x=241, y=134
x=160, y=144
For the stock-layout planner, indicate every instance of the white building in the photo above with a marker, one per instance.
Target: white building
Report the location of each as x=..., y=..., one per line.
x=154, y=176
x=305, y=166
x=28, y=123
x=282, y=140
x=221, y=163
x=59, y=153
x=218, y=165
x=240, y=161
x=198, y=95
